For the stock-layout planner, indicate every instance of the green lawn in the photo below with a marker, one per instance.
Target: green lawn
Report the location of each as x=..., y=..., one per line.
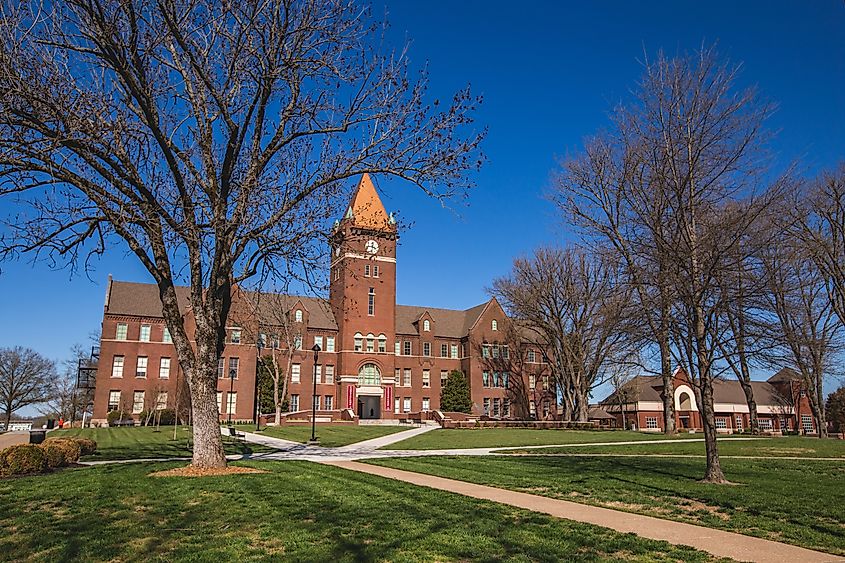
x=797, y=502
x=508, y=437
x=298, y=512
x=330, y=435
x=788, y=446
x=144, y=442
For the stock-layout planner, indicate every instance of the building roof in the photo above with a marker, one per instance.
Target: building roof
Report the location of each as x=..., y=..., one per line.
x=785, y=375
x=450, y=323
x=272, y=306
x=366, y=209
x=648, y=387
x=595, y=412
x=140, y=299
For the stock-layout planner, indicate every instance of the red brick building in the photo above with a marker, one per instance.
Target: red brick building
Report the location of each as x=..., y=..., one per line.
x=781, y=404
x=377, y=358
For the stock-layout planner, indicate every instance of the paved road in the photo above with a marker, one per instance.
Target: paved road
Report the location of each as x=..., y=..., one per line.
x=12, y=438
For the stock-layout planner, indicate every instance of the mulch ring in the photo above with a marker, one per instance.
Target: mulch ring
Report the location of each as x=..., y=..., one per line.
x=191, y=471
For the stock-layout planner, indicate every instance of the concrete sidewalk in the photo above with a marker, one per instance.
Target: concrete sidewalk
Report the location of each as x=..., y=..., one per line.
x=715, y=542
x=380, y=442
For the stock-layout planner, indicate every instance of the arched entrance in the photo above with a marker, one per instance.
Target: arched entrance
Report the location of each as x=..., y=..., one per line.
x=369, y=405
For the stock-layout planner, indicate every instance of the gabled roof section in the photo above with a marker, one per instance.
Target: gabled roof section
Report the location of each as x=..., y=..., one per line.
x=273, y=307
x=141, y=299
x=785, y=375
x=366, y=209
x=450, y=323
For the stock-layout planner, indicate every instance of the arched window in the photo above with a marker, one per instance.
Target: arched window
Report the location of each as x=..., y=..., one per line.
x=495, y=325
x=684, y=402
x=369, y=374
x=371, y=342
x=426, y=325
x=382, y=343
x=359, y=342
x=298, y=315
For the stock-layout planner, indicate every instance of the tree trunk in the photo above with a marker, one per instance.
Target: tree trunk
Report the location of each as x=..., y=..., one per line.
x=816, y=400
x=752, y=405
x=668, y=385
x=208, y=441
x=714, y=472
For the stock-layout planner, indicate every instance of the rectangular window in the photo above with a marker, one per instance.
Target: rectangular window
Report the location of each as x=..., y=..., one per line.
x=531, y=357
x=506, y=354
x=297, y=342
x=396, y=346
x=651, y=422
x=141, y=367
x=236, y=336
x=426, y=378
x=329, y=375
x=721, y=422
x=114, y=400
x=145, y=333
x=496, y=406
x=784, y=425
x=485, y=379
x=807, y=423
x=532, y=381
x=329, y=402
x=375, y=270
x=137, y=402
x=382, y=344
x=407, y=378
x=234, y=364
x=122, y=329
x=221, y=368
x=739, y=422
x=220, y=401
x=294, y=403
x=505, y=378
x=371, y=302
x=532, y=408
x=444, y=375
x=366, y=270
x=294, y=373
x=274, y=341
x=231, y=402
x=486, y=406
x=765, y=423
x=407, y=347
x=485, y=351
x=318, y=341
x=397, y=376
x=117, y=366
x=165, y=337
x=330, y=344
x=454, y=351
x=444, y=350
x=495, y=352
x=426, y=348
x=164, y=368
x=545, y=382
x=426, y=404
x=406, y=405
x=506, y=407
x=396, y=407
x=161, y=402
x=318, y=374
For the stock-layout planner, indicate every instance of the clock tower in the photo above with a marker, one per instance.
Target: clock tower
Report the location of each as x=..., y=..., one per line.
x=362, y=294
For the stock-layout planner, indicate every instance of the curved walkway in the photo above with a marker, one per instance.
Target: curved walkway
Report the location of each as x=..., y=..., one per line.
x=715, y=542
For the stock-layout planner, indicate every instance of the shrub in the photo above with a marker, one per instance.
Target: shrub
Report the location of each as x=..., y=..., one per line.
x=71, y=448
x=22, y=459
x=113, y=417
x=167, y=417
x=88, y=445
x=54, y=454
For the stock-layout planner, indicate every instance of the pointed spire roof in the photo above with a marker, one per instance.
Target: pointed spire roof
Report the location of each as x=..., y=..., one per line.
x=366, y=209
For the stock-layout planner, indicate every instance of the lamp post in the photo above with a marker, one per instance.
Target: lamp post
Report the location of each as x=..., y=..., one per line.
x=232, y=375
x=313, y=440
x=259, y=346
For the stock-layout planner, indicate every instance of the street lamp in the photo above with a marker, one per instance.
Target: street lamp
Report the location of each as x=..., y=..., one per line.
x=232, y=375
x=259, y=346
x=313, y=440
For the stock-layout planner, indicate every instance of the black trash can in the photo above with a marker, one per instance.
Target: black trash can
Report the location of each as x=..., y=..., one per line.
x=37, y=436
x=51, y=423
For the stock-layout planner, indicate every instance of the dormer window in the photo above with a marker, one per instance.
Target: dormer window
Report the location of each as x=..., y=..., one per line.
x=297, y=316
x=426, y=325
x=495, y=325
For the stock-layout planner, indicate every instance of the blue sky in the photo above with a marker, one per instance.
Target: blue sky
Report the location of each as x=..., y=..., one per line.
x=548, y=72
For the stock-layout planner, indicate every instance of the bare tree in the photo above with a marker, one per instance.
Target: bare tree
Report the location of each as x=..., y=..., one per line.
x=25, y=379
x=65, y=399
x=805, y=330
x=210, y=138
x=608, y=191
x=573, y=301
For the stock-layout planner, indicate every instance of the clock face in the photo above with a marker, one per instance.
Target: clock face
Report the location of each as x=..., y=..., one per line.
x=371, y=247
